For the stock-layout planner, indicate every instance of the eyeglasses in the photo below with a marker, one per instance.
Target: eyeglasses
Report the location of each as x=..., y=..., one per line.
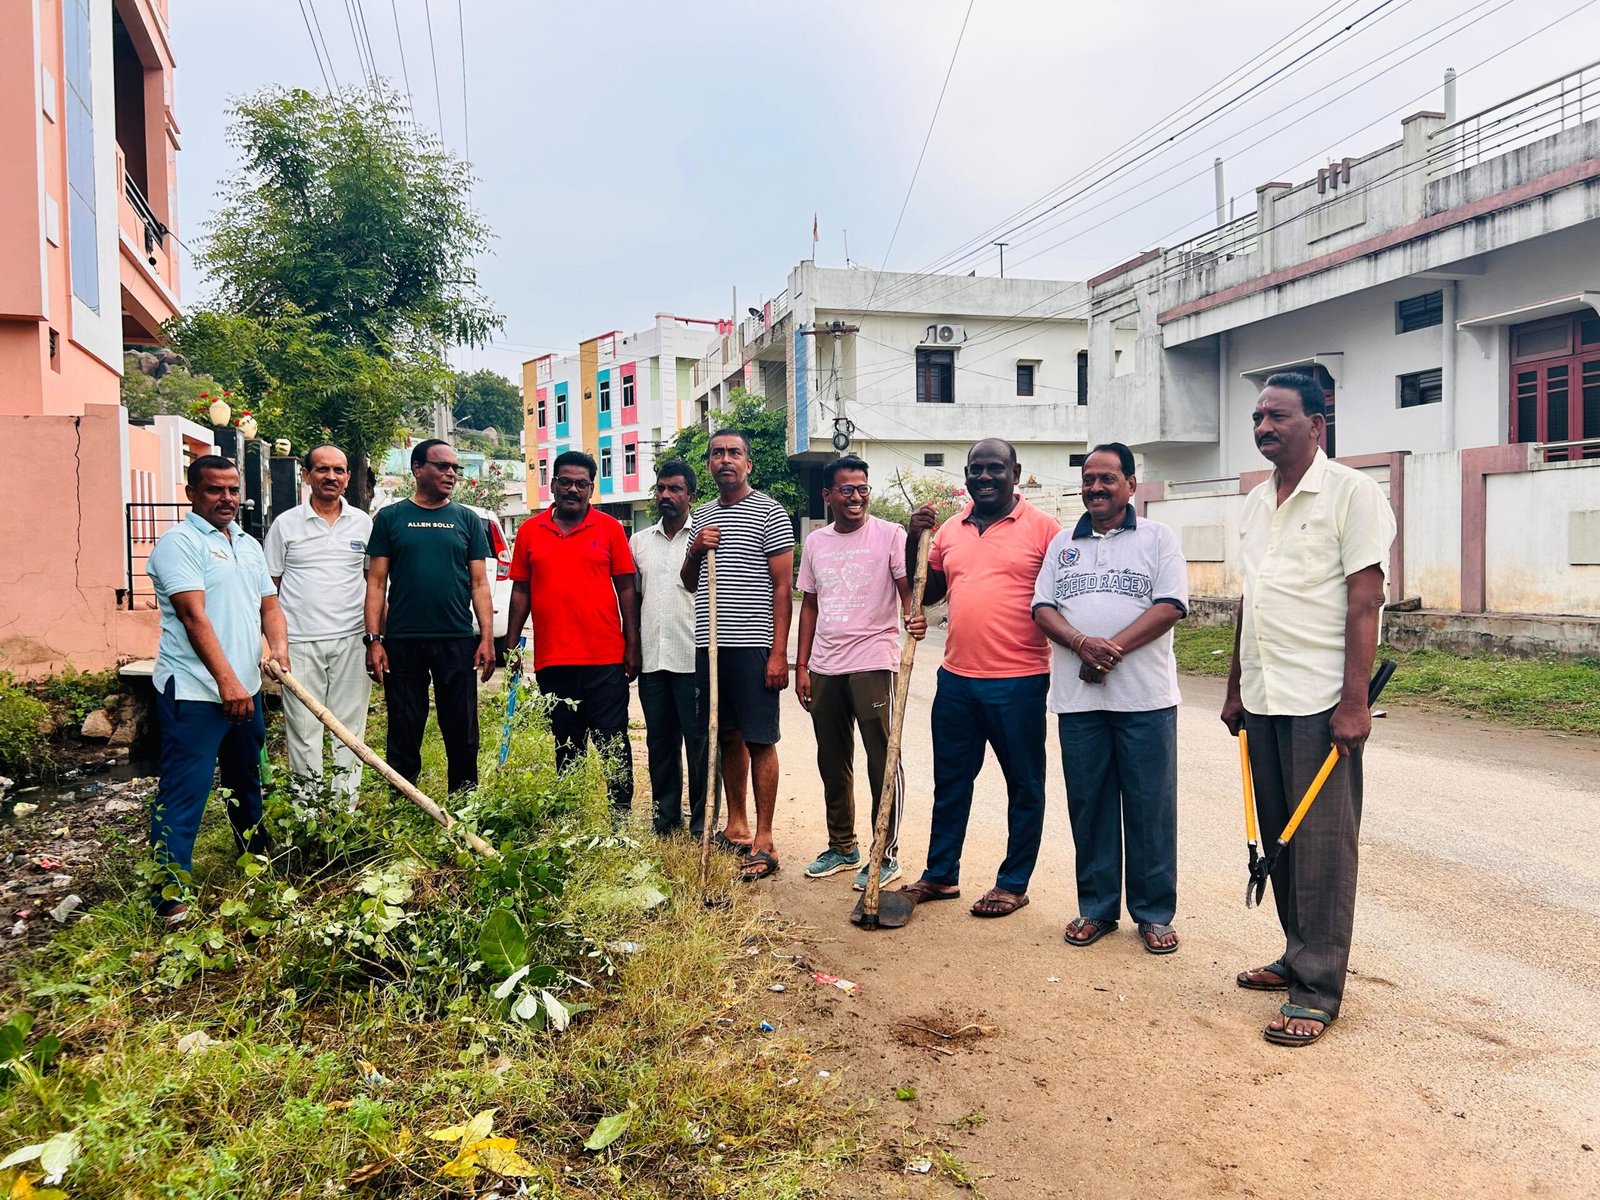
x=443, y=466
x=847, y=490
x=573, y=485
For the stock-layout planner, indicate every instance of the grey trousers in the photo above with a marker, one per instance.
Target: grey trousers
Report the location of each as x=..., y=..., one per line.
x=1314, y=882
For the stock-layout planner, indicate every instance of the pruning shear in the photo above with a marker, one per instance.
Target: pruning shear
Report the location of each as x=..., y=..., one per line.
x=1261, y=865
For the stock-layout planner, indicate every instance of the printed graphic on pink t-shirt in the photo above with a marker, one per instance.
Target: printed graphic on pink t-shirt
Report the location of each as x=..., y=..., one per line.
x=858, y=606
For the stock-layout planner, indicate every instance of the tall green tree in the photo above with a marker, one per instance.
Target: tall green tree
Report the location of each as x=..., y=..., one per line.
x=488, y=400
x=767, y=430
x=342, y=263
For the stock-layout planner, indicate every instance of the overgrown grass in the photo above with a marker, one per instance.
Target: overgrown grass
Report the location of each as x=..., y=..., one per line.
x=22, y=717
x=1540, y=693
x=336, y=1007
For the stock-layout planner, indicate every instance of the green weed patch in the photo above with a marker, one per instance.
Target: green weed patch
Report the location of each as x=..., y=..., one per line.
x=1539, y=693
x=374, y=1008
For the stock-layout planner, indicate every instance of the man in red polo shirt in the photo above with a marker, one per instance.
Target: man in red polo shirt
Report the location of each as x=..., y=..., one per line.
x=571, y=569
x=995, y=677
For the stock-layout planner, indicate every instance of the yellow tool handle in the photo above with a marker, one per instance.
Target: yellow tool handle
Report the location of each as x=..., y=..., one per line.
x=1311, y=794
x=1249, y=788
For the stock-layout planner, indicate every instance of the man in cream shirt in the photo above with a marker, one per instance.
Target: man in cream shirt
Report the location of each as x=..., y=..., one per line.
x=666, y=644
x=1314, y=540
x=316, y=553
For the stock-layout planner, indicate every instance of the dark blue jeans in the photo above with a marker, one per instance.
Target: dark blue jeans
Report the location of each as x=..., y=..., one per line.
x=197, y=741
x=1122, y=786
x=968, y=715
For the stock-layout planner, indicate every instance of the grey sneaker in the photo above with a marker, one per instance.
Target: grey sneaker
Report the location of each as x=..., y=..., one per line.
x=831, y=862
x=891, y=872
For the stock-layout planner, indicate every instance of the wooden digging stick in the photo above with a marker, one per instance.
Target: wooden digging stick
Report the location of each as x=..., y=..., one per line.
x=708, y=818
x=365, y=753
x=891, y=758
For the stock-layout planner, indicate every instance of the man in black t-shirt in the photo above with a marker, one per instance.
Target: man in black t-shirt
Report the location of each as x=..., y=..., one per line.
x=430, y=551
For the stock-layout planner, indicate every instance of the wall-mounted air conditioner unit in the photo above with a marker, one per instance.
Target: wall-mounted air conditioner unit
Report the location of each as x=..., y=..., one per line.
x=944, y=335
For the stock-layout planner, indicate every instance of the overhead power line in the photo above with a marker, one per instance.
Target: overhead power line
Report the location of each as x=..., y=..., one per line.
x=433, y=57
x=466, y=122
x=928, y=137
x=1166, y=141
x=400, y=41
x=326, y=52
x=321, y=67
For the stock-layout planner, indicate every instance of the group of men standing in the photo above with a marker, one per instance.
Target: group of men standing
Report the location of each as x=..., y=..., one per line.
x=1074, y=622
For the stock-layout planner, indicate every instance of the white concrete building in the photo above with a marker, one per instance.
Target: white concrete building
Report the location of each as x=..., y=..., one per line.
x=620, y=397
x=913, y=369
x=1445, y=290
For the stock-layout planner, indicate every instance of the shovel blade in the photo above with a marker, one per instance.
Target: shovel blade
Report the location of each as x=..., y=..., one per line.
x=894, y=910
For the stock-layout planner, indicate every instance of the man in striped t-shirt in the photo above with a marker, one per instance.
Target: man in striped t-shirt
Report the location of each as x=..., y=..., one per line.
x=754, y=542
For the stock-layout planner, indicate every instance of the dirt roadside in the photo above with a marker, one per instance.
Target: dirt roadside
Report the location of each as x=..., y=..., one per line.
x=1466, y=1062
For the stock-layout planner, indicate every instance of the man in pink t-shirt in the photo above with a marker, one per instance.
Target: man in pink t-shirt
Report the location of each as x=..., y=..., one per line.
x=995, y=677
x=853, y=580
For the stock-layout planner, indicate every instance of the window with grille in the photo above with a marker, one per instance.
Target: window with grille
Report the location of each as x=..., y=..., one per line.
x=541, y=411
x=933, y=460
x=1555, y=385
x=1419, y=312
x=1025, y=379
x=604, y=404
x=1083, y=377
x=561, y=408
x=627, y=391
x=936, y=377
x=1077, y=460
x=1420, y=387
x=605, y=462
x=630, y=454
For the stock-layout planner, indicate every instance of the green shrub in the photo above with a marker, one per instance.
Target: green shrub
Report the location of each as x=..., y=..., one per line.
x=22, y=720
x=77, y=693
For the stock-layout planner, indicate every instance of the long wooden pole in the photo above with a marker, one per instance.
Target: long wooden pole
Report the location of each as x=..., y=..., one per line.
x=365, y=753
x=708, y=816
x=897, y=721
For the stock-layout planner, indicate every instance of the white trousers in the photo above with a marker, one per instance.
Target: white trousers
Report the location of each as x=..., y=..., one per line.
x=335, y=672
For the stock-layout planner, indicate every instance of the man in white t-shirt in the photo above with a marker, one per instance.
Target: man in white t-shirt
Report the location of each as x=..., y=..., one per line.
x=1108, y=595
x=854, y=594
x=316, y=553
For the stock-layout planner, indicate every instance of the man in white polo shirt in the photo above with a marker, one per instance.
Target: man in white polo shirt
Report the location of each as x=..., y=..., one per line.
x=1314, y=543
x=316, y=553
x=1108, y=595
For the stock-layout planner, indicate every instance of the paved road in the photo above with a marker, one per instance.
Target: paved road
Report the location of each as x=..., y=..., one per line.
x=1467, y=1061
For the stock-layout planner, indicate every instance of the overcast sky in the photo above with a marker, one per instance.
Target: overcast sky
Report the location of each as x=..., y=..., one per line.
x=642, y=157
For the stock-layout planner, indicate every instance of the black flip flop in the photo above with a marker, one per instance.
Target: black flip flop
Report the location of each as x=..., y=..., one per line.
x=1101, y=928
x=1146, y=928
x=1294, y=1012
x=766, y=867
x=721, y=841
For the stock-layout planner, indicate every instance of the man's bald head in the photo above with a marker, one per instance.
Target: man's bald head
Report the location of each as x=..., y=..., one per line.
x=991, y=446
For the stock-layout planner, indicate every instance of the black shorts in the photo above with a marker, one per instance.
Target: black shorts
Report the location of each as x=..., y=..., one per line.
x=743, y=701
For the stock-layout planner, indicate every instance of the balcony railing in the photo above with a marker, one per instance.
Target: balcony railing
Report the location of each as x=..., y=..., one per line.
x=1561, y=103
x=155, y=233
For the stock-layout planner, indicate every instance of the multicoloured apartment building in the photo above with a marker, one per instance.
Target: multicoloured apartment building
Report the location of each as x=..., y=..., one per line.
x=621, y=397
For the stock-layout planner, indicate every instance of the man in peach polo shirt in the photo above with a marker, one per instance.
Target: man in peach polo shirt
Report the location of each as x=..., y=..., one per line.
x=995, y=677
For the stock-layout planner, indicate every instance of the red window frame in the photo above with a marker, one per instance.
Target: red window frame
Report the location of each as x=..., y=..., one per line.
x=1555, y=393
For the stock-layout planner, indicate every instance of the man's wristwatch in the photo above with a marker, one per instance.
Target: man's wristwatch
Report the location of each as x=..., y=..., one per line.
x=368, y=639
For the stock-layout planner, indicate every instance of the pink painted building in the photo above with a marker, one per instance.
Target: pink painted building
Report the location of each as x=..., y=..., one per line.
x=88, y=264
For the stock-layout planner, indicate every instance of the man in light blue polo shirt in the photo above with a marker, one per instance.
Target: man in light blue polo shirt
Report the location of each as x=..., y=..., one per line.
x=216, y=602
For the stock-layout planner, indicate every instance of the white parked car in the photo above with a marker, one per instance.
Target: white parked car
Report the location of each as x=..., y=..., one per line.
x=499, y=567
